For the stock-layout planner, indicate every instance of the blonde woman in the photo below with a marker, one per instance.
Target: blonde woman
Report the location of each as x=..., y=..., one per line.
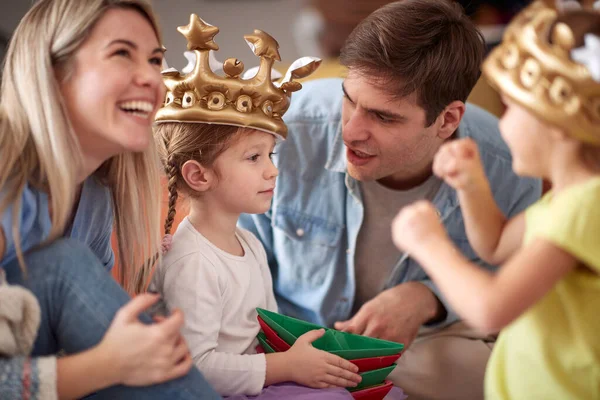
x=80, y=89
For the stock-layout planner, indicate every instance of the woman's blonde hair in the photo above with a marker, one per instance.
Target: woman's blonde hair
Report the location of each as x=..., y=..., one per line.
x=40, y=148
x=178, y=142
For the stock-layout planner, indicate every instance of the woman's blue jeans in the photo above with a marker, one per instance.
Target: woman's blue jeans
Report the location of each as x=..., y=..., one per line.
x=78, y=300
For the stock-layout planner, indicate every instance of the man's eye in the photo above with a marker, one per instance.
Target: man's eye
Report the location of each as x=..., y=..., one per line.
x=382, y=118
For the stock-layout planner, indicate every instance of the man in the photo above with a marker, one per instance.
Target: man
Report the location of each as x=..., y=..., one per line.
x=359, y=150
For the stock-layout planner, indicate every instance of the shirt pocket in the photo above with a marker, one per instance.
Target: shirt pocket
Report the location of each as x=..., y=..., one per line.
x=306, y=228
x=310, y=245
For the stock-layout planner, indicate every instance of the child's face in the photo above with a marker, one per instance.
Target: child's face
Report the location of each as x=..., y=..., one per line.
x=247, y=174
x=528, y=140
x=113, y=87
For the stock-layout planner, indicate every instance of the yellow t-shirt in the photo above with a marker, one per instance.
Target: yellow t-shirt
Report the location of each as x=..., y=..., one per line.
x=552, y=351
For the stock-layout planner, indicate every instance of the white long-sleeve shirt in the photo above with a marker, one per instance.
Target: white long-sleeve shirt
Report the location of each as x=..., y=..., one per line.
x=218, y=294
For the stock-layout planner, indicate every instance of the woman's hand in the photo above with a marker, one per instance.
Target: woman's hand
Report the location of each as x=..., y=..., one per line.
x=145, y=354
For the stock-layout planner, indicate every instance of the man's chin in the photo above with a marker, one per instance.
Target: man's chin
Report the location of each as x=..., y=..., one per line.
x=361, y=174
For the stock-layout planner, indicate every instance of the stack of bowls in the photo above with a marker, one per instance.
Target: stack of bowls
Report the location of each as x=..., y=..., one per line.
x=375, y=358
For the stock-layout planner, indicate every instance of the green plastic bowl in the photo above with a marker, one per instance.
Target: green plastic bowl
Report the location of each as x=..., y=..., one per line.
x=351, y=346
x=346, y=345
x=372, y=378
x=290, y=329
x=262, y=339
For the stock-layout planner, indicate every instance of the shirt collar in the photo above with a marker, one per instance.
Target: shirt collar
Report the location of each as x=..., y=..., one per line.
x=337, y=157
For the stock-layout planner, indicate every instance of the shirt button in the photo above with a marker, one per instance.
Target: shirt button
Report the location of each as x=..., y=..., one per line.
x=300, y=232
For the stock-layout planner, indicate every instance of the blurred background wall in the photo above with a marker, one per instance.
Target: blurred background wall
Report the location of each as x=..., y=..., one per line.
x=302, y=27
x=234, y=17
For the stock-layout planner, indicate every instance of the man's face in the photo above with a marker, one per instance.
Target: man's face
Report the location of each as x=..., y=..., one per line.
x=385, y=138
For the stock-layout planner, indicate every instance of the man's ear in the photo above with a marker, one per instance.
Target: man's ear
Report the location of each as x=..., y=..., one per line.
x=450, y=119
x=197, y=177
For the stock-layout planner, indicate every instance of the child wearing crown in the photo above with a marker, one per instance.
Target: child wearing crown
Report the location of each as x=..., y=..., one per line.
x=546, y=296
x=216, y=137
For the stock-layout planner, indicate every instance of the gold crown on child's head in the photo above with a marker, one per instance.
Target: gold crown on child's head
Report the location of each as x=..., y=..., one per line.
x=538, y=67
x=249, y=100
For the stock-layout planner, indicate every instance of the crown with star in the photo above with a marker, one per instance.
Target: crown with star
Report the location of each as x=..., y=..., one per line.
x=538, y=67
x=199, y=94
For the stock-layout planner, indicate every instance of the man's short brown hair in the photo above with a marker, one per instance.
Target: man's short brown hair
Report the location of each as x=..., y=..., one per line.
x=427, y=47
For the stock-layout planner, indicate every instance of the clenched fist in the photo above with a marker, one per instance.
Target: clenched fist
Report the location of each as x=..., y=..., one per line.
x=457, y=162
x=417, y=227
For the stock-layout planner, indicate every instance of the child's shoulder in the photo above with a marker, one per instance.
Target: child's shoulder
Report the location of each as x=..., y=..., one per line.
x=582, y=198
x=187, y=249
x=570, y=219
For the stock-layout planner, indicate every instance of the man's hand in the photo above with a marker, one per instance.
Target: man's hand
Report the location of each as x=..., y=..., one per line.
x=395, y=314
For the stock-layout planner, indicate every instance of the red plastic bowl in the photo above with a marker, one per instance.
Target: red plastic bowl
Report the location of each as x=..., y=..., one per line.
x=275, y=341
x=371, y=363
x=374, y=392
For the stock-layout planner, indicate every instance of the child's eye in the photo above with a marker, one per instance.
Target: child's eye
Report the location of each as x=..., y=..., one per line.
x=254, y=157
x=123, y=53
x=271, y=154
x=156, y=61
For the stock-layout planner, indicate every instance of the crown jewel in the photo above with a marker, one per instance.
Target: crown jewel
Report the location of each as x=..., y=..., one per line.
x=535, y=67
x=250, y=100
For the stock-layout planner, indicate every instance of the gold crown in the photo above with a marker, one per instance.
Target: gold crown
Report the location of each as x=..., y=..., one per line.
x=256, y=102
x=533, y=66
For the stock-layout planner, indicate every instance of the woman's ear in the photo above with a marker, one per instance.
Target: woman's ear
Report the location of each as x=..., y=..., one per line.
x=198, y=177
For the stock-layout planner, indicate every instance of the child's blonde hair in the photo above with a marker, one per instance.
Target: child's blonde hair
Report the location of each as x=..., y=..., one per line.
x=178, y=142
x=38, y=144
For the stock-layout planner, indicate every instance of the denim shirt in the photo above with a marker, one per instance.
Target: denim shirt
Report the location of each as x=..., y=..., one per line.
x=310, y=232
x=92, y=224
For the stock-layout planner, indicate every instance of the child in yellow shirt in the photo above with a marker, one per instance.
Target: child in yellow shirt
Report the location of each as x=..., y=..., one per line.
x=546, y=296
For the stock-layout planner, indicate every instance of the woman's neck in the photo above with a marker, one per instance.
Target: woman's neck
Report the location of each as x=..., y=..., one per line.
x=215, y=224
x=90, y=164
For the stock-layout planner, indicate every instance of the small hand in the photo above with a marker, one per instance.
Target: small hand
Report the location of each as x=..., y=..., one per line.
x=417, y=228
x=458, y=163
x=395, y=314
x=317, y=368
